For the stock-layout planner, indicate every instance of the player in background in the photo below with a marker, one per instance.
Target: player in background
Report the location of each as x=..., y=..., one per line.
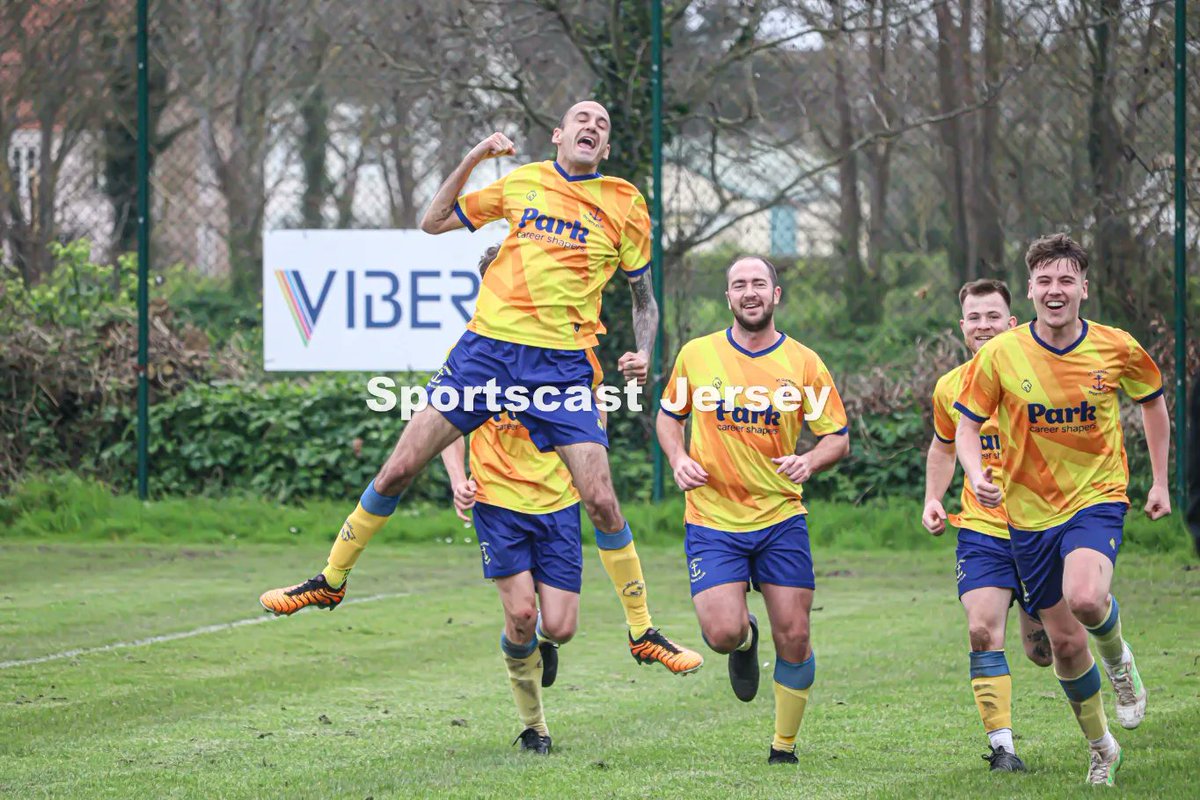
x=538, y=312
x=526, y=515
x=1052, y=384
x=985, y=568
x=745, y=522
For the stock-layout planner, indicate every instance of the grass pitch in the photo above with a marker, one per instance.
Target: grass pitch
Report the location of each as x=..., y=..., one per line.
x=405, y=695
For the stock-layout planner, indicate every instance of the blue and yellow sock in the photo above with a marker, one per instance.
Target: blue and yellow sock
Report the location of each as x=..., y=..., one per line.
x=524, y=665
x=1108, y=636
x=624, y=569
x=364, y=522
x=1083, y=693
x=792, y=682
x=991, y=683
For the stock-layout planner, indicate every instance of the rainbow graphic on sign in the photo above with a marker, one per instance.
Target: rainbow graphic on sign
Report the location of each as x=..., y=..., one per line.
x=293, y=290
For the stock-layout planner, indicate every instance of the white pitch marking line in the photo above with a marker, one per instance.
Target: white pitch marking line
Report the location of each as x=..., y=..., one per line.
x=170, y=637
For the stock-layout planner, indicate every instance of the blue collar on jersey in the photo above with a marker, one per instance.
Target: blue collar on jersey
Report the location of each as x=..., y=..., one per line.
x=753, y=354
x=573, y=178
x=1055, y=350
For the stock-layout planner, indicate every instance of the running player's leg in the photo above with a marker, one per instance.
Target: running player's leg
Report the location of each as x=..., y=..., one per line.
x=588, y=464
x=991, y=681
x=781, y=567
x=522, y=660
x=423, y=438
x=1035, y=640
x=558, y=573
x=987, y=582
x=724, y=617
x=789, y=608
x=1090, y=547
x=1040, y=560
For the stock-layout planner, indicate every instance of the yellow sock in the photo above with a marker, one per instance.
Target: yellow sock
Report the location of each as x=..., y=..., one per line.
x=372, y=511
x=1108, y=636
x=624, y=569
x=792, y=683
x=1083, y=693
x=524, y=664
x=789, y=712
x=992, y=685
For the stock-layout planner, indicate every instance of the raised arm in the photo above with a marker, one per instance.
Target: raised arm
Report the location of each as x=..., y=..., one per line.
x=636, y=366
x=440, y=216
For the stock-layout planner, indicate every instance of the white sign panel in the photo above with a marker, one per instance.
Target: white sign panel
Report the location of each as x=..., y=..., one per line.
x=367, y=300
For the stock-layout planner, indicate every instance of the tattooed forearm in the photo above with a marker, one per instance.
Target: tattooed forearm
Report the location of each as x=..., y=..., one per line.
x=645, y=312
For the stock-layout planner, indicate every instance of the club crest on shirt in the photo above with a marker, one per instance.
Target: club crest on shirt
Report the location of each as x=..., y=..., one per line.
x=1099, y=386
x=694, y=569
x=1026, y=386
x=717, y=383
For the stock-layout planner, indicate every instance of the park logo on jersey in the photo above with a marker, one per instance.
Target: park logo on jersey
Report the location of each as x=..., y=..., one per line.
x=1067, y=419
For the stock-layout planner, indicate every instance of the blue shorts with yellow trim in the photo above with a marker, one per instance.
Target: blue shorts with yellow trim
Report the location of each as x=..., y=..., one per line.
x=985, y=561
x=1040, y=554
x=476, y=359
x=548, y=545
x=778, y=554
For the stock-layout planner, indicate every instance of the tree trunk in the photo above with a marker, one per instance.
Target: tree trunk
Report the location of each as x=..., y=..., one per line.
x=953, y=178
x=850, y=219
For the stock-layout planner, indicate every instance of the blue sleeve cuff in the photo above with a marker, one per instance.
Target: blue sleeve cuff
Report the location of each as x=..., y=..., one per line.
x=458, y=210
x=942, y=439
x=1151, y=396
x=969, y=414
x=672, y=414
x=844, y=431
x=634, y=273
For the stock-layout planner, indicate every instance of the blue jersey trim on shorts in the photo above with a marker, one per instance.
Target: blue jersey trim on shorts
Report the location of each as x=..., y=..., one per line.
x=942, y=439
x=753, y=354
x=634, y=273
x=462, y=216
x=1055, y=350
x=1153, y=395
x=672, y=414
x=969, y=414
x=573, y=178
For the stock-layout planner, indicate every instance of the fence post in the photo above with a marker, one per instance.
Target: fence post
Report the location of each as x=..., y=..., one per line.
x=1181, y=283
x=656, y=214
x=143, y=250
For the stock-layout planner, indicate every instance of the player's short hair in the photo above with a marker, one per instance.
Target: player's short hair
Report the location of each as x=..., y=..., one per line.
x=983, y=287
x=774, y=273
x=487, y=258
x=1054, y=247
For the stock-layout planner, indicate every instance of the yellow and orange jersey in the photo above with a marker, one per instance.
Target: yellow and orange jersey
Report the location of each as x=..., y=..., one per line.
x=567, y=236
x=512, y=473
x=974, y=516
x=1060, y=421
x=735, y=444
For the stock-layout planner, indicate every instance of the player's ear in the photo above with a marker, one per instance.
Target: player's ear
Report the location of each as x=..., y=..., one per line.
x=1012, y=322
x=556, y=136
x=1029, y=288
x=962, y=326
x=607, y=150
x=1084, y=297
x=778, y=294
x=728, y=302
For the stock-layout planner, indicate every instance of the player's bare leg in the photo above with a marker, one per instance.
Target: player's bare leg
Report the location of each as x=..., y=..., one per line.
x=522, y=660
x=1080, y=679
x=790, y=609
x=1087, y=578
x=1035, y=640
x=558, y=617
x=588, y=464
x=991, y=681
x=423, y=438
